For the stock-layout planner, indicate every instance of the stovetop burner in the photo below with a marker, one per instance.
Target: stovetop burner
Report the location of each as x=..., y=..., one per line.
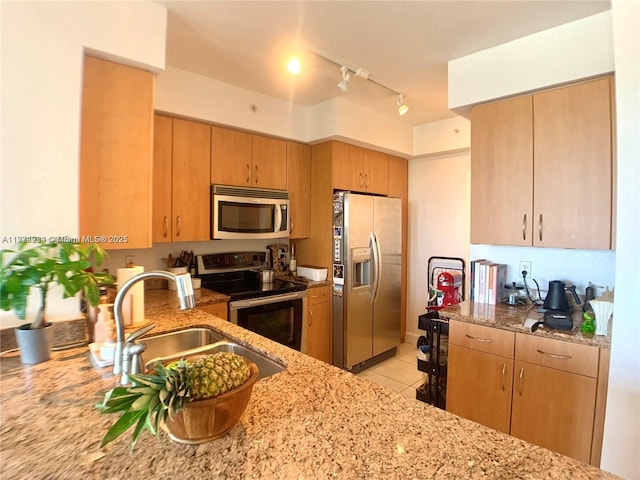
x=236, y=275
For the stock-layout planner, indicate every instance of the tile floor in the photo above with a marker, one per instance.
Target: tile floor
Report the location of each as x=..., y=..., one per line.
x=399, y=373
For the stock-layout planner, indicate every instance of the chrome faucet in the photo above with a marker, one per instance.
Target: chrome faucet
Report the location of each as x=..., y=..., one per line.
x=184, y=289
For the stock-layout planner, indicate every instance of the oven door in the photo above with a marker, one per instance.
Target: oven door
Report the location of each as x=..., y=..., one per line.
x=281, y=318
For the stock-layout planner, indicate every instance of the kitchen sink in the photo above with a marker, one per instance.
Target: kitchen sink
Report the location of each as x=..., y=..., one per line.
x=168, y=347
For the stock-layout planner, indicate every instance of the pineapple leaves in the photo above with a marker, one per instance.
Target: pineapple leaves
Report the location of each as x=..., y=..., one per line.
x=122, y=425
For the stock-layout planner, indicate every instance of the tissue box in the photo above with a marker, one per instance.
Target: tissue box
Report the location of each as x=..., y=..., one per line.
x=317, y=274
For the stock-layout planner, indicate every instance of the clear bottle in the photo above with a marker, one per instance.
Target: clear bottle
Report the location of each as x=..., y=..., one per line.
x=292, y=260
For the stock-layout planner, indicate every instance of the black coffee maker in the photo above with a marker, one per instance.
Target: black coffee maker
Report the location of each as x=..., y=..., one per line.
x=557, y=313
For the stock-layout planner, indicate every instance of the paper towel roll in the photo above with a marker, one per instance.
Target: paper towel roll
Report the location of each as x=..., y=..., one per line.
x=133, y=302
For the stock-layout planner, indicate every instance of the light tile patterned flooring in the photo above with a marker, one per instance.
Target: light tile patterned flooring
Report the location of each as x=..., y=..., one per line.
x=399, y=373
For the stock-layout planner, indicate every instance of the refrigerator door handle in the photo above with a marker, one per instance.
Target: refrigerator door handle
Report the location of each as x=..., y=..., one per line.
x=375, y=284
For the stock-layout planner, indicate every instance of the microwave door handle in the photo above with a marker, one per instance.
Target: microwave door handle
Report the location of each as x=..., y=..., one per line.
x=278, y=219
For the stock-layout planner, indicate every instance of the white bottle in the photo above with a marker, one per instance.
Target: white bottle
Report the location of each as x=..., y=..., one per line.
x=105, y=328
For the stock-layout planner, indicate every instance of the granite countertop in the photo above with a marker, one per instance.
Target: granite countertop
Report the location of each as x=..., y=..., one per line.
x=508, y=317
x=311, y=421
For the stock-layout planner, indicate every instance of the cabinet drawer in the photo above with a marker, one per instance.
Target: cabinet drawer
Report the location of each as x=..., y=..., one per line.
x=566, y=356
x=318, y=294
x=484, y=339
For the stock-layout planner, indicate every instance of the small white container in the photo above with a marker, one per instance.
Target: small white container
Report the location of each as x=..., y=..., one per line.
x=196, y=283
x=317, y=274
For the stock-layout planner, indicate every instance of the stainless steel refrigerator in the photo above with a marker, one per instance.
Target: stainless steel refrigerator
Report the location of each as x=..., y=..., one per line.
x=367, y=278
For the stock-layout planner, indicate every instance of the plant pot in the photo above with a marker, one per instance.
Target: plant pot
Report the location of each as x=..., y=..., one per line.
x=202, y=421
x=35, y=345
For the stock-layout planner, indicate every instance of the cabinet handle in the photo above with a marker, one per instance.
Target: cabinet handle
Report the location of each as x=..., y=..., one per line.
x=178, y=225
x=257, y=175
x=248, y=173
x=361, y=180
x=524, y=226
x=165, y=227
x=504, y=369
x=291, y=226
x=366, y=180
x=555, y=355
x=310, y=317
x=520, y=382
x=540, y=227
x=483, y=340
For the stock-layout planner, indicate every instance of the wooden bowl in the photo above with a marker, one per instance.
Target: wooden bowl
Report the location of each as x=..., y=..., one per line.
x=205, y=420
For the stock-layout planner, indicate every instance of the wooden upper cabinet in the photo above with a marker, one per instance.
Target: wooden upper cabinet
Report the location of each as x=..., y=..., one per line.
x=299, y=188
x=115, y=154
x=268, y=162
x=375, y=168
x=162, y=153
x=190, y=192
x=542, y=169
x=230, y=157
x=502, y=172
x=359, y=169
x=246, y=160
x=346, y=162
x=398, y=177
x=573, y=166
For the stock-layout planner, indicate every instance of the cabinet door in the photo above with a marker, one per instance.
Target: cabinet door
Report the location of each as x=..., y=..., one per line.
x=502, y=172
x=190, y=176
x=347, y=167
x=319, y=331
x=162, y=151
x=230, y=157
x=217, y=309
x=375, y=168
x=115, y=153
x=299, y=188
x=554, y=409
x=268, y=163
x=573, y=167
x=479, y=387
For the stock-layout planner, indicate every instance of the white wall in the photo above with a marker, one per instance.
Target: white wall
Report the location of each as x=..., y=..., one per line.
x=622, y=425
x=558, y=55
x=446, y=136
x=41, y=97
x=438, y=223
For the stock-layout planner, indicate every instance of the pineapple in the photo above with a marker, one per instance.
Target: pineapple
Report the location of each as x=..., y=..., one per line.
x=154, y=397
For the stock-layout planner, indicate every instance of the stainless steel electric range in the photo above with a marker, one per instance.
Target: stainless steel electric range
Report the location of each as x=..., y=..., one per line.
x=276, y=310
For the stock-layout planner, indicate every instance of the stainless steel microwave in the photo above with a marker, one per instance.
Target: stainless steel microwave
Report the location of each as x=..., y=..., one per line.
x=247, y=213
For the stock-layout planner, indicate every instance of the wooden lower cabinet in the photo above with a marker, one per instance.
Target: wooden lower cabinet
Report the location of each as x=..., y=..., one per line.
x=479, y=387
x=548, y=392
x=554, y=409
x=217, y=309
x=319, y=323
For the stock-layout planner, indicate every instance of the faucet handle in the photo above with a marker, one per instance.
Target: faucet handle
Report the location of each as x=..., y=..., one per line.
x=140, y=332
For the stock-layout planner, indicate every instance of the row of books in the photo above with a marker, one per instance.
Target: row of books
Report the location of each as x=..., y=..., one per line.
x=487, y=281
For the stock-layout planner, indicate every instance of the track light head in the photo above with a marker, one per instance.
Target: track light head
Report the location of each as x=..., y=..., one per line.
x=344, y=83
x=402, y=108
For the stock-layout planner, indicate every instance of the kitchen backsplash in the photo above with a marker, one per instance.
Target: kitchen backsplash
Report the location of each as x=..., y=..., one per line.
x=575, y=267
x=151, y=258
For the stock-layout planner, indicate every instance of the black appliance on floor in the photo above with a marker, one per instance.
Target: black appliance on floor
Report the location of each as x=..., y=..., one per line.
x=276, y=310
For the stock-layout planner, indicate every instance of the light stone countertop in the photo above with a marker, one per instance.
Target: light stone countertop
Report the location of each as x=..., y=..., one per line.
x=311, y=421
x=507, y=317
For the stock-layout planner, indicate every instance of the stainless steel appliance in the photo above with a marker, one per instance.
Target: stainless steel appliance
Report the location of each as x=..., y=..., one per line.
x=276, y=310
x=367, y=277
x=248, y=213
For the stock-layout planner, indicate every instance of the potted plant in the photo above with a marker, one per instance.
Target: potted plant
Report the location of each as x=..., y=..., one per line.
x=41, y=265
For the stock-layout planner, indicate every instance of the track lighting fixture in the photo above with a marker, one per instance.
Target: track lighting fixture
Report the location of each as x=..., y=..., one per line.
x=344, y=83
x=361, y=72
x=402, y=108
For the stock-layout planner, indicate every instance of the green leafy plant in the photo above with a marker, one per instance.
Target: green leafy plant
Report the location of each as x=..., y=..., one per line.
x=43, y=264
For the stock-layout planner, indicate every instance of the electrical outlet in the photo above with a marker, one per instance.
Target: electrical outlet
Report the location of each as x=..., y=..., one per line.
x=525, y=265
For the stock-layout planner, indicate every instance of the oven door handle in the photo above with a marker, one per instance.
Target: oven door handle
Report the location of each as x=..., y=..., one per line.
x=266, y=300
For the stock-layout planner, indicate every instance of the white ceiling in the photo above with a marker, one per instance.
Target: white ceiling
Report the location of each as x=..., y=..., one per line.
x=405, y=45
